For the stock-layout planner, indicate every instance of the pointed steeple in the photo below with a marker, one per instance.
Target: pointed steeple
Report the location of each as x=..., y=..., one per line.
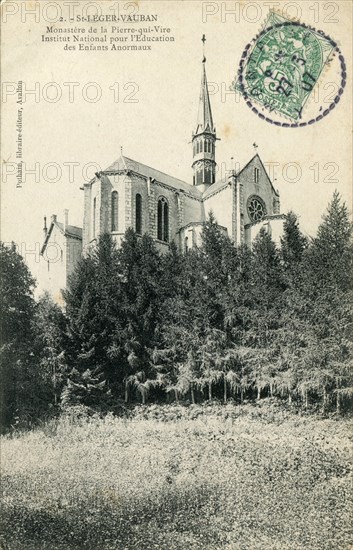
x=204, y=118
x=204, y=138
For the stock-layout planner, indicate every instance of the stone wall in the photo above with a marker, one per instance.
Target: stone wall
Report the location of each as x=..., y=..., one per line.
x=54, y=265
x=263, y=189
x=86, y=233
x=220, y=203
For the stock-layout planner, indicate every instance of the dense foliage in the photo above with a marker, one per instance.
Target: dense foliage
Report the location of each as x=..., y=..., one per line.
x=219, y=321
x=216, y=322
x=18, y=374
x=31, y=347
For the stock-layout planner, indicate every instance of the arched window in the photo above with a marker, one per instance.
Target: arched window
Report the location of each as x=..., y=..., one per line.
x=138, y=212
x=115, y=210
x=186, y=242
x=163, y=220
x=199, y=175
x=94, y=216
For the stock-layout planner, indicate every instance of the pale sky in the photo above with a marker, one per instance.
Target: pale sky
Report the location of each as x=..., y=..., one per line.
x=155, y=111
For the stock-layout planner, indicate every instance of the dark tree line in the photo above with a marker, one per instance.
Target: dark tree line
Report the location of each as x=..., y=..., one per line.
x=219, y=321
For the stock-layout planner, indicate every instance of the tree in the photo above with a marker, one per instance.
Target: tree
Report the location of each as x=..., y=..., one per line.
x=141, y=309
x=92, y=301
x=293, y=243
x=261, y=314
x=18, y=372
x=49, y=327
x=114, y=307
x=331, y=254
x=329, y=293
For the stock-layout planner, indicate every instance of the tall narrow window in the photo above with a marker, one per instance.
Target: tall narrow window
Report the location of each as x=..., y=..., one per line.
x=163, y=220
x=94, y=216
x=115, y=210
x=256, y=175
x=138, y=212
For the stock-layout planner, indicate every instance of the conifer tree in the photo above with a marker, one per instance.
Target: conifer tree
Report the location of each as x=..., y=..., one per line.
x=293, y=243
x=141, y=306
x=49, y=328
x=19, y=375
x=263, y=312
x=331, y=253
x=91, y=305
x=330, y=262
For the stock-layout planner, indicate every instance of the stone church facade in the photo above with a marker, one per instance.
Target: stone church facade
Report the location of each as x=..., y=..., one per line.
x=129, y=194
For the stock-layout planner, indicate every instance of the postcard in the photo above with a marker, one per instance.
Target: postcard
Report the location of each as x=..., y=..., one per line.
x=153, y=119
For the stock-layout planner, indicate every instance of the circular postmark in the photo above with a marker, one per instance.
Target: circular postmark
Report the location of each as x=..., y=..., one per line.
x=291, y=75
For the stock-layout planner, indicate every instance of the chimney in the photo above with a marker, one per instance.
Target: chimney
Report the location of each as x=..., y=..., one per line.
x=66, y=219
x=53, y=218
x=45, y=229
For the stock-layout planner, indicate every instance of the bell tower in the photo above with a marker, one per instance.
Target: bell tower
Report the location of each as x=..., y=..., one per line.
x=204, y=137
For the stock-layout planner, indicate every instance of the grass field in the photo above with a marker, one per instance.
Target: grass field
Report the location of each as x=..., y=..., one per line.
x=213, y=477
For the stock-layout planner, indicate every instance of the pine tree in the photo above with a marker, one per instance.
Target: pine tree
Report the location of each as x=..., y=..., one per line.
x=92, y=299
x=141, y=306
x=19, y=375
x=49, y=327
x=293, y=242
x=327, y=300
x=292, y=252
x=331, y=265
x=332, y=250
x=262, y=313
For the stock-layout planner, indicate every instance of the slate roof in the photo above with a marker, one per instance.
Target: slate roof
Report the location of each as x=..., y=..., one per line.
x=214, y=187
x=204, y=117
x=71, y=231
x=125, y=163
x=218, y=185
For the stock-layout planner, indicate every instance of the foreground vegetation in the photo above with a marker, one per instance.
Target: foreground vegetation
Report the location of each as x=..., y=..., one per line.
x=174, y=477
x=219, y=321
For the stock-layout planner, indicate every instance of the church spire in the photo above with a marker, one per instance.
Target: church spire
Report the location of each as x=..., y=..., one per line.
x=204, y=138
x=204, y=118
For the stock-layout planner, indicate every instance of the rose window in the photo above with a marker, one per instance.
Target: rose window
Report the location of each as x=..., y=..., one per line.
x=256, y=209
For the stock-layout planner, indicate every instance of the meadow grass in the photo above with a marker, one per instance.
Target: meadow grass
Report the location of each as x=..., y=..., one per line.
x=213, y=477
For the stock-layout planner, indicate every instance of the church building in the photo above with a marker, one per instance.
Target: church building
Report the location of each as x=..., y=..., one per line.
x=129, y=194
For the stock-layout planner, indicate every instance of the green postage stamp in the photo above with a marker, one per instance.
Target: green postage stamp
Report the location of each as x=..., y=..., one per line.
x=279, y=70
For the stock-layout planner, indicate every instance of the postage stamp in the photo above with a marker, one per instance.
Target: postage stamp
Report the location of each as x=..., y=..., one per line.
x=280, y=69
